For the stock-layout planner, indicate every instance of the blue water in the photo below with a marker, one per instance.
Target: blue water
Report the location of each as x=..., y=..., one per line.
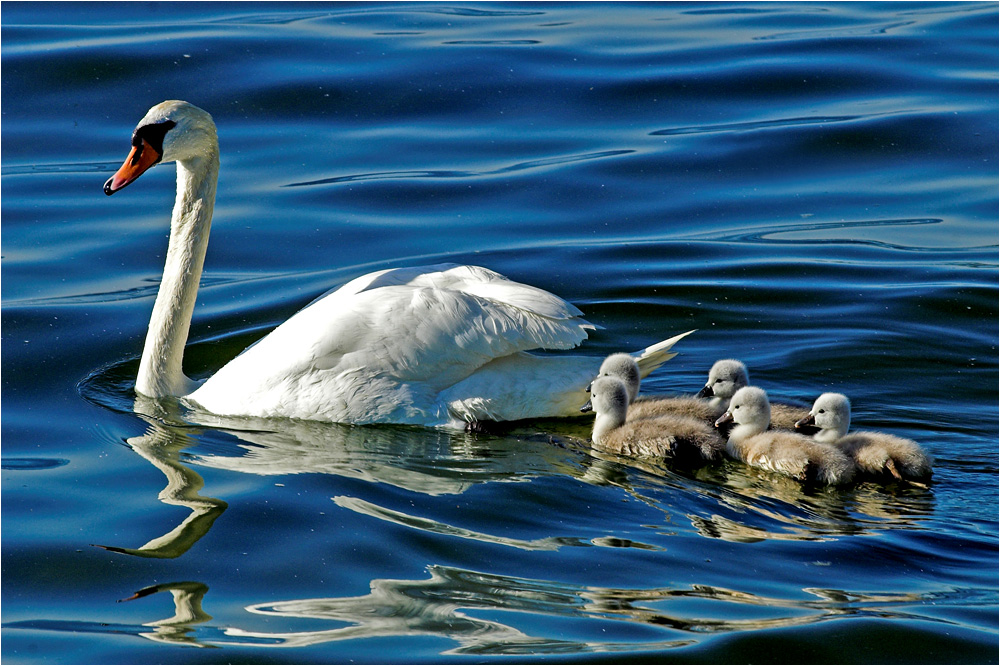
x=812, y=186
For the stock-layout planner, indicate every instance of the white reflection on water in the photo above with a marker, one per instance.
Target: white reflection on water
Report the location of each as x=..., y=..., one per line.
x=726, y=501
x=437, y=606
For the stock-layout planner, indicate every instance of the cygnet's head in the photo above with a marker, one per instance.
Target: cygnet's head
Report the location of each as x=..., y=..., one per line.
x=724, y=379
x=624, y=367
x=609, y=400
x=608, y=395
x=750, y=408
x=831, y=413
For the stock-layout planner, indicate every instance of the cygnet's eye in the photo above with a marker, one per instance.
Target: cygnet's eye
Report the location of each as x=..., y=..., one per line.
x=822, y=411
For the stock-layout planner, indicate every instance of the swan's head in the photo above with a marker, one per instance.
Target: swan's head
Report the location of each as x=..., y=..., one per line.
x=831, y=413
x=171, y=131
x=724, y=379
x=749, y=407
x=624, y=367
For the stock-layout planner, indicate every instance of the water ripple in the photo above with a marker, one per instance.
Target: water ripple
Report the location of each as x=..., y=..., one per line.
x=32, y=463
x=458, y=173
x=749, y=126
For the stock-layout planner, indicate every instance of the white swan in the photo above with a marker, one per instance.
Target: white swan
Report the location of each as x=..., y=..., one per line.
x=432, y=346
x=662, y=435
x=778, y=451
x=875, y=453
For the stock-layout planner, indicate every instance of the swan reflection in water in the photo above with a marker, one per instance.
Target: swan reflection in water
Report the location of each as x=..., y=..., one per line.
x=444, y=604
x=162, y=445
x=725, y=501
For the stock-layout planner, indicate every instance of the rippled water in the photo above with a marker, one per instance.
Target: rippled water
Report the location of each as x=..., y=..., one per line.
x=812, y=186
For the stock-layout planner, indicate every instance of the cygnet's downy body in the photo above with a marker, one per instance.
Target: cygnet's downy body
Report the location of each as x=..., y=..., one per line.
x=875, y=454
x=787, y=453
x=665, y=436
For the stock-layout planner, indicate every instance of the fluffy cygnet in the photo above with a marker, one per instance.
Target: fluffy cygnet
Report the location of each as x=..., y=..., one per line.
x=666, y=435
x=727, y=377
x=787, y=453
x=874, y=453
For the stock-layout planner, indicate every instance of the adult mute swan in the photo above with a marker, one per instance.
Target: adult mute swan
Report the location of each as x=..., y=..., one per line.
x=876, y=454
x=437, y=345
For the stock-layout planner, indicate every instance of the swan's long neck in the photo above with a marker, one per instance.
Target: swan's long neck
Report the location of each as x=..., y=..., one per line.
x=160, y=373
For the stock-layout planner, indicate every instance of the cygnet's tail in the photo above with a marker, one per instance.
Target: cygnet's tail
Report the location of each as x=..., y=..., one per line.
x=654, y=356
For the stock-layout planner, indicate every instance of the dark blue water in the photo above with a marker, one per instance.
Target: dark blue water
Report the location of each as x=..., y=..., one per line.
x=812, y=186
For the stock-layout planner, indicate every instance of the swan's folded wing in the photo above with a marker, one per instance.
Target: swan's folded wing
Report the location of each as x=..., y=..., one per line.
x=438, y=335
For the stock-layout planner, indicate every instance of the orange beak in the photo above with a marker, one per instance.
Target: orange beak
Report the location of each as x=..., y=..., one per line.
x=141, y=158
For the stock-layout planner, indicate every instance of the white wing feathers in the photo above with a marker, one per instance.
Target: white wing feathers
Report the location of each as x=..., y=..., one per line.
x=397, y=337
x=654, y=356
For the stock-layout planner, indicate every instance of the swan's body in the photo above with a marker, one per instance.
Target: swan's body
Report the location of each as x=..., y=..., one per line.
x=875, y=454
x=787, y=453
x=663, y=435
x=431, y=345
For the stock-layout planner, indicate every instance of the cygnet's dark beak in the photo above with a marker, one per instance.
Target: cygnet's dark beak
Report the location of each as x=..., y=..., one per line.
x=725, y=418
x=805, y=421
x=587, y=408
x=706, y=392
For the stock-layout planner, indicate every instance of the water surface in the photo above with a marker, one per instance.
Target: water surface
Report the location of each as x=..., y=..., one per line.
x=812, y=186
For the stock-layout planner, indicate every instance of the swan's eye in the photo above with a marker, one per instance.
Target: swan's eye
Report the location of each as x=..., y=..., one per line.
x=822, y=411
x=153, y=134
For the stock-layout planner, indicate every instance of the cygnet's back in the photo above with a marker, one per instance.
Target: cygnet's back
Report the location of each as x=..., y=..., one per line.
x=876, y=454
x=666, y=435
x=778, y=451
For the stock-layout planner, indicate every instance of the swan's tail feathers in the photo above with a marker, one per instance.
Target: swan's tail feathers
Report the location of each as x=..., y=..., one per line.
x=654, y=356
